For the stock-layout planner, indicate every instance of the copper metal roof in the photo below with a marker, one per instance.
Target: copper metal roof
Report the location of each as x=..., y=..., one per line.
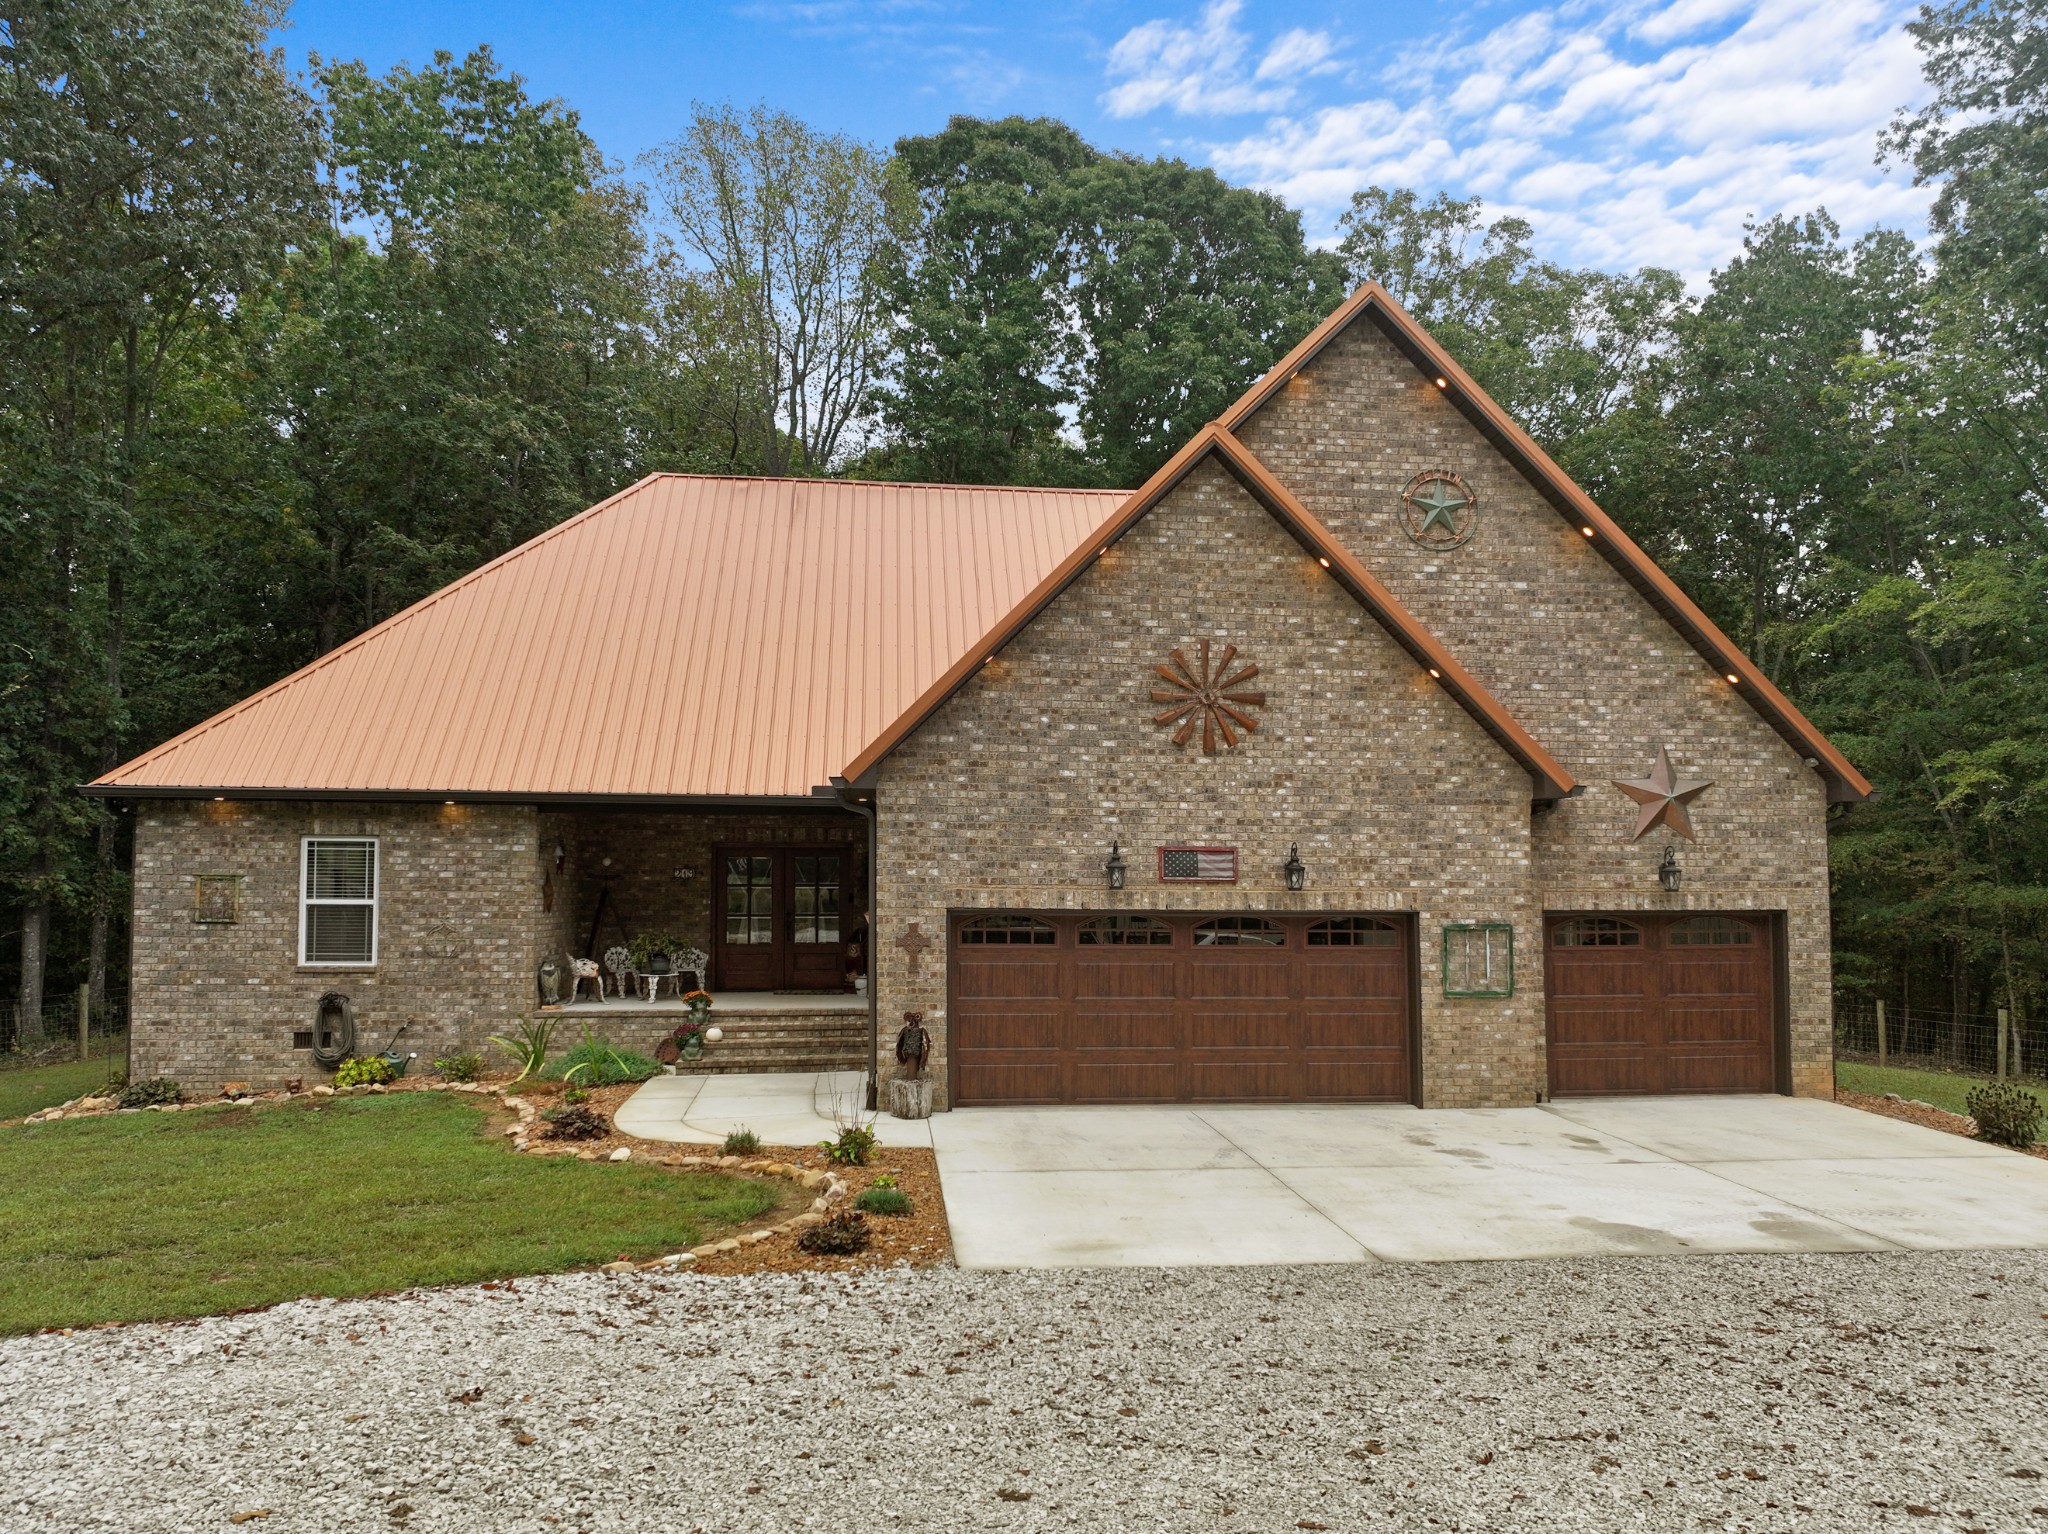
x=691, y=637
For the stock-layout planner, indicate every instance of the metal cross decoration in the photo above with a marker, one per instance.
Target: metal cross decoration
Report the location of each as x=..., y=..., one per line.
x=1439, y=509
x=913, y=943
x=1207, y=696
x=1663, y=796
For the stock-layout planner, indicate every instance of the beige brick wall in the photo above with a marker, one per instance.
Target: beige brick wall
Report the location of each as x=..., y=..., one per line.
x=1579, y=657
x=1010, y=795
x=459, y=928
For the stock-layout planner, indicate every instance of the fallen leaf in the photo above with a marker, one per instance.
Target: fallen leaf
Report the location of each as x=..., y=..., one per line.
x=524, y=1438
x=254, y=1512
x=1012, y=1494
x=2024, y=1473
x=1305, y=1524
x=1484, y=1459
x=470, y=1396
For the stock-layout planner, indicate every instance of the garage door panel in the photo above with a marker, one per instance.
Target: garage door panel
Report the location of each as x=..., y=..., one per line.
x=1241, y=1081
x=1099, y=1015
x=1123, y=979
x=1323, y=980
x=1036, y=1083
x=1125, y=1081
x=1005, y=978
x=1147, y=1027
x=1237, y=979
x=1643, y=1003
x=1700, y=1023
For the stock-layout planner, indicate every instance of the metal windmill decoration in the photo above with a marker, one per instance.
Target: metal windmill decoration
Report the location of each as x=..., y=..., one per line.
x=1208, y=697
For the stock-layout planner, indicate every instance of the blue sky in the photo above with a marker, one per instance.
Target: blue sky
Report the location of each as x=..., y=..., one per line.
x=1627, y=131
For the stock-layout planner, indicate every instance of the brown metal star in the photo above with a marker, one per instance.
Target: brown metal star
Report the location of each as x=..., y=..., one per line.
x=1203, y=695
x=1663, y=797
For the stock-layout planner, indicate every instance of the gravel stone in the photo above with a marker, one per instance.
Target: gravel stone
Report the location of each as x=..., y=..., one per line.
x=1730, y=1393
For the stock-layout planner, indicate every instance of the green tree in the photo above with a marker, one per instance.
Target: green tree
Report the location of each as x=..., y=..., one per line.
x=157, y=158
x=789, y=231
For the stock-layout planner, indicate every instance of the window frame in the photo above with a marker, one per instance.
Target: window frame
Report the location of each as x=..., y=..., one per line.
x=1462, y=935
x=307, y=899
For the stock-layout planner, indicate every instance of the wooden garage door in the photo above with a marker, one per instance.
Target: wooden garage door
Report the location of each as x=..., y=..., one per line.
x=1661, y=1004
x=1170, y=1007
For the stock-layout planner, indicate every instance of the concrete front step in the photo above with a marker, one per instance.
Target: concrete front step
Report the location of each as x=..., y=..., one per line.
x=720, y=1063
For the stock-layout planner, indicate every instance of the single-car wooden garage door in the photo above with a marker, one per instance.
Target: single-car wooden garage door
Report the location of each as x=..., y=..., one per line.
x=1642, y=1003
x=1162, y=1007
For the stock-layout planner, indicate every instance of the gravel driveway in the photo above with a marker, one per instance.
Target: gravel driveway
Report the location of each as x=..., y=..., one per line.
x=1737, y=1392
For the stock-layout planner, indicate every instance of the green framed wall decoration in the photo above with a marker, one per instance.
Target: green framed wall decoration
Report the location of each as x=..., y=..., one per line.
x=1479, y=959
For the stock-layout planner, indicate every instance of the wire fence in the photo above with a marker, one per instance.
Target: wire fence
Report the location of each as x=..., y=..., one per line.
x=1928, y=1038
x=67, y=1027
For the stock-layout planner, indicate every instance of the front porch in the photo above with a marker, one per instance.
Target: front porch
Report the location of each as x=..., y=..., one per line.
x=767, y=908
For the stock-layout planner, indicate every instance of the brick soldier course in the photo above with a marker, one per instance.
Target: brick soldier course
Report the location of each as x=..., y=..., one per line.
x=999, y=786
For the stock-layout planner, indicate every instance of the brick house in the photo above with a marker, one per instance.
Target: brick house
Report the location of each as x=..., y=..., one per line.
x=1356, y=756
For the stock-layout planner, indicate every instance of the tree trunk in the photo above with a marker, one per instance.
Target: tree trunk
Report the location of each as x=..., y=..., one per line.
x=35, y=929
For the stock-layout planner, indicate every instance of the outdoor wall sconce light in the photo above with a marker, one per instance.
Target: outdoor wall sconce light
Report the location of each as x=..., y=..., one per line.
x=1115, y=868
x=1294, y=870
x=561, y=855
x=1668, y=871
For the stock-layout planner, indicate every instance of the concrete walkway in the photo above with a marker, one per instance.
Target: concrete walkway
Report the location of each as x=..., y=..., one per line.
x=1217, y=1186
x=783, y=1108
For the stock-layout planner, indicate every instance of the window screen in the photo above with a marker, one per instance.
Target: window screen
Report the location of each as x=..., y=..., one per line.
x=338, y=901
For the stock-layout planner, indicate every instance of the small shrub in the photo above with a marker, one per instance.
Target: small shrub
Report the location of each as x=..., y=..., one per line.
x=529, y=1047
x=575, y=1095
x=577, y=1124
x=364, y=1071
x=2005, y=1114
x=149, y=1094
x=594, y=1063
x=840, y=1236
x=855, y=1143
x=882, y=1180
x=876, y=1199
x=460, y=1067
x=741, y=1142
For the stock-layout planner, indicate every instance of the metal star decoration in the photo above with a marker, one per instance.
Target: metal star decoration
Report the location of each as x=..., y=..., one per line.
x=1204, y=695
x=1439, y=509
x=1663, y=797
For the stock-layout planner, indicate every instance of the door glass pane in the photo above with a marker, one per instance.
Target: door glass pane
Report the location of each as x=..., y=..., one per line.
x=816, y=893
x=749, y=900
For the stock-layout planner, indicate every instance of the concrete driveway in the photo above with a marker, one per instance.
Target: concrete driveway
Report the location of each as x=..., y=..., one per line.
x=1218, y=1186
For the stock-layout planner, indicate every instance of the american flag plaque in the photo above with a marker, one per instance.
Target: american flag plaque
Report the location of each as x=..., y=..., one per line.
x=1198, y=865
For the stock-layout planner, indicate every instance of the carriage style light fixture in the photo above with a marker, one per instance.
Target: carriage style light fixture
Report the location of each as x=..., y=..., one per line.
x=1668, y=871
x=1294, y=870
x=1115, y=868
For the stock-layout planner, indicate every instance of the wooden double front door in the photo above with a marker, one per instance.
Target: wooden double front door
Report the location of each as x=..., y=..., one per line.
x=1641, y=1003
x=1155, y=1007
x=781, y=921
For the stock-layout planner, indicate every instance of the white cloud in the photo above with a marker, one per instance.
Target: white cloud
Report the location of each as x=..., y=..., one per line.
x=1628, y=132
x=1200, y=70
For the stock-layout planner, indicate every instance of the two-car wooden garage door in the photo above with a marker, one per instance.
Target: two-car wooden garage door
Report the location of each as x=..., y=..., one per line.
x=1163, y=1007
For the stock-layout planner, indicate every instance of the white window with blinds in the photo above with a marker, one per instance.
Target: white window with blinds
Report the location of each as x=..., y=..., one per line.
x=338, y=901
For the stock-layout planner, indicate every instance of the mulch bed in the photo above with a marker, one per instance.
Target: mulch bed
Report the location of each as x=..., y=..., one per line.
x=921, y=1238
x=1926, y=1115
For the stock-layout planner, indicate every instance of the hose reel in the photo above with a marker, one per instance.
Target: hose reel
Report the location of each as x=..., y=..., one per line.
x=334, y=1030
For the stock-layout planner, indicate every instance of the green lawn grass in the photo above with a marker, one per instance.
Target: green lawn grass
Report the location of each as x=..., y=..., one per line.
x=44, y=1086
x=157, y=1215
x=1944, y=1089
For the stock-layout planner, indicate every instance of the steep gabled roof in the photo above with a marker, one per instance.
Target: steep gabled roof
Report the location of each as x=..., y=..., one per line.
x=693, y=638
x=1374, y=303
x=1548, y=779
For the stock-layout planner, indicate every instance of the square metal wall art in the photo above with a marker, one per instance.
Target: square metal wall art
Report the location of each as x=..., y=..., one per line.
x=1479, y=959
x=216, y=897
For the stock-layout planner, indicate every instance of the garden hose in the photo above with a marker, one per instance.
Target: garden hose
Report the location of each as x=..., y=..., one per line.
x=334, y=1030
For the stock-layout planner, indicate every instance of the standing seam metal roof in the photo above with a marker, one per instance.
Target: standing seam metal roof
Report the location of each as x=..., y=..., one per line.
x=691, y=637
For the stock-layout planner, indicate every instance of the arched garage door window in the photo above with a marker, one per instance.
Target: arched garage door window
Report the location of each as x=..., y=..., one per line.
x=1239, y=932
x=1006, y=929
x=1597, y=932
